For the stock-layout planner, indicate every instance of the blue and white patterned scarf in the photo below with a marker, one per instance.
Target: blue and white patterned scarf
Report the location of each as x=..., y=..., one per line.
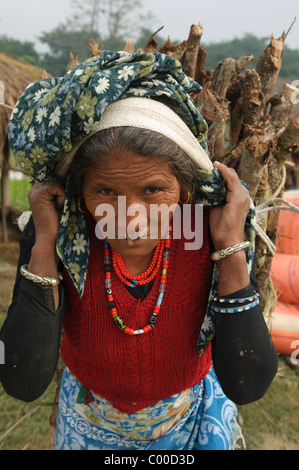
x=53, y=115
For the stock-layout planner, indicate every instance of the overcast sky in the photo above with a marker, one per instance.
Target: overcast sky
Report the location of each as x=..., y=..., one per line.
x=222, y=19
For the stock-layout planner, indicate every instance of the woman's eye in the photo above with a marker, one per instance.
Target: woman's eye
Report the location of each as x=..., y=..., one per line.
x=106, y=191
x=152, y=190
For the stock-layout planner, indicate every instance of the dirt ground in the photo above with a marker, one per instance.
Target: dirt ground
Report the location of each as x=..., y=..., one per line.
x=272, y=442
x=9, y=252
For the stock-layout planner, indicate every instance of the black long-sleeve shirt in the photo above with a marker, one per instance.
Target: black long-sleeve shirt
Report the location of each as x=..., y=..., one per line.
x=244, y=357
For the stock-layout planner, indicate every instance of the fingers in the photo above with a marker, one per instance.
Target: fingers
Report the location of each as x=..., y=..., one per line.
x=46, y=204
x=229, y=174
x=234, y=186
x=47, y=193
x=46, y=200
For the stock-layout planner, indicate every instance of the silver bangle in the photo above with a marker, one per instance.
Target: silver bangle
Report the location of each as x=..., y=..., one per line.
x=43, y=280
x=217, y=255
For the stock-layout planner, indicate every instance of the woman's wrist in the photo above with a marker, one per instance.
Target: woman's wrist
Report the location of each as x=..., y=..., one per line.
x=223, y=253
x=233, y=273
x=44, y=260
x=223, y=244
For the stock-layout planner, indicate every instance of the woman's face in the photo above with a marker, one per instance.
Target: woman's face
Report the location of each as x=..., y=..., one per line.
x=143, y=183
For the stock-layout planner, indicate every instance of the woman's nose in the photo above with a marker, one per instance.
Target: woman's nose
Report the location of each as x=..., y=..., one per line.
x=137, y=219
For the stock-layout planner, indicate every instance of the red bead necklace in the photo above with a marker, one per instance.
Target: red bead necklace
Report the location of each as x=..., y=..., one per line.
x=161, y=255
x=144, y=278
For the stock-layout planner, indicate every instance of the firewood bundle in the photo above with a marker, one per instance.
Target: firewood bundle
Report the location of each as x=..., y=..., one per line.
x=250, y=129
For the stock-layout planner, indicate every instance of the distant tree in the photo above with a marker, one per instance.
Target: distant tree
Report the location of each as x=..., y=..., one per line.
x=109, y=22
x=290, y=64
x=18, y=49
x=111, y=19
x=88, y=14
x=61, y=41
x=249, y=44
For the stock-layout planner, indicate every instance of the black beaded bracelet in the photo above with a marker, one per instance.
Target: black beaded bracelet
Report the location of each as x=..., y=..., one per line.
x=227, y=300
x=251, y=303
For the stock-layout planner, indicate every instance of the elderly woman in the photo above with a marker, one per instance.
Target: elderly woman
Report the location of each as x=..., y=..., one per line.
x=161, y=337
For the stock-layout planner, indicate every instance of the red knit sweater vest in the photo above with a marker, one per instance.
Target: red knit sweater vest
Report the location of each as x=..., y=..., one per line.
x=134, y=372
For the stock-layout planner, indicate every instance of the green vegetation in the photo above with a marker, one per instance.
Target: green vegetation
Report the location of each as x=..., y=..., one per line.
x=249, y=44
x=18, y=193
x=108, y=22
x=236, y=48
x=272, y=422
x=22, y=50
x=27, y=423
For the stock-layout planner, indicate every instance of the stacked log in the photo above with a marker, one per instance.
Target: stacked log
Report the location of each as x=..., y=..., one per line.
x=250, y=129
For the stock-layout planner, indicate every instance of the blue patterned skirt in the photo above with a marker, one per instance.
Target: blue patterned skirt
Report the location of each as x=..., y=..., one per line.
x=200, y=418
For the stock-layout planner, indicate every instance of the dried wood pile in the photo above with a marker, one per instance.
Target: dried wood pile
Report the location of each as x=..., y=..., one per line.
x=250, y=129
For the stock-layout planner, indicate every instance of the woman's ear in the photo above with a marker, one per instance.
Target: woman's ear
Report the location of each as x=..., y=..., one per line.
x=185, y=198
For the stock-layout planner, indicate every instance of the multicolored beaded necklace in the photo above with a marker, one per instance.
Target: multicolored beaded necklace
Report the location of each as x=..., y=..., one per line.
x=161, y=255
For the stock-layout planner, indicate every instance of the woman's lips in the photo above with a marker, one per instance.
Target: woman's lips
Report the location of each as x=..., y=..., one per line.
x=142, y=234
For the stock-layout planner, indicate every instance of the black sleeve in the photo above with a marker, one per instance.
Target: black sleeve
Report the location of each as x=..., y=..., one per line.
x=31, y=332
x=245, y=360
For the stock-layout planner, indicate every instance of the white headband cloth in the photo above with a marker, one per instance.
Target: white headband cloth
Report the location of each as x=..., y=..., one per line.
x=146, y=113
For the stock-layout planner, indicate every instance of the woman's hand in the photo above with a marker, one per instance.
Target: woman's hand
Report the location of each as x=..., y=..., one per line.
x=227, y=229
x=227, y=221
x=46, y=205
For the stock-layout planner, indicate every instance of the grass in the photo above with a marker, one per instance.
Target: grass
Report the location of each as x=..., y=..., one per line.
x=271, y=423
x=18, y=193
x=25, y=426
x=22, y=425
x=19, y=190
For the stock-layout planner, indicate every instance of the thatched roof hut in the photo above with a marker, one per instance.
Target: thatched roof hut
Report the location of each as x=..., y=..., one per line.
x=16, y=76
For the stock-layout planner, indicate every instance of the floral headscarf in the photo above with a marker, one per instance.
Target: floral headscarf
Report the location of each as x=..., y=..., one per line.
x=53, y=115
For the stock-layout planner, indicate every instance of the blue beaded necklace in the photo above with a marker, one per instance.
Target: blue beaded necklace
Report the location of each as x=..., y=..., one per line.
x=111, y=303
